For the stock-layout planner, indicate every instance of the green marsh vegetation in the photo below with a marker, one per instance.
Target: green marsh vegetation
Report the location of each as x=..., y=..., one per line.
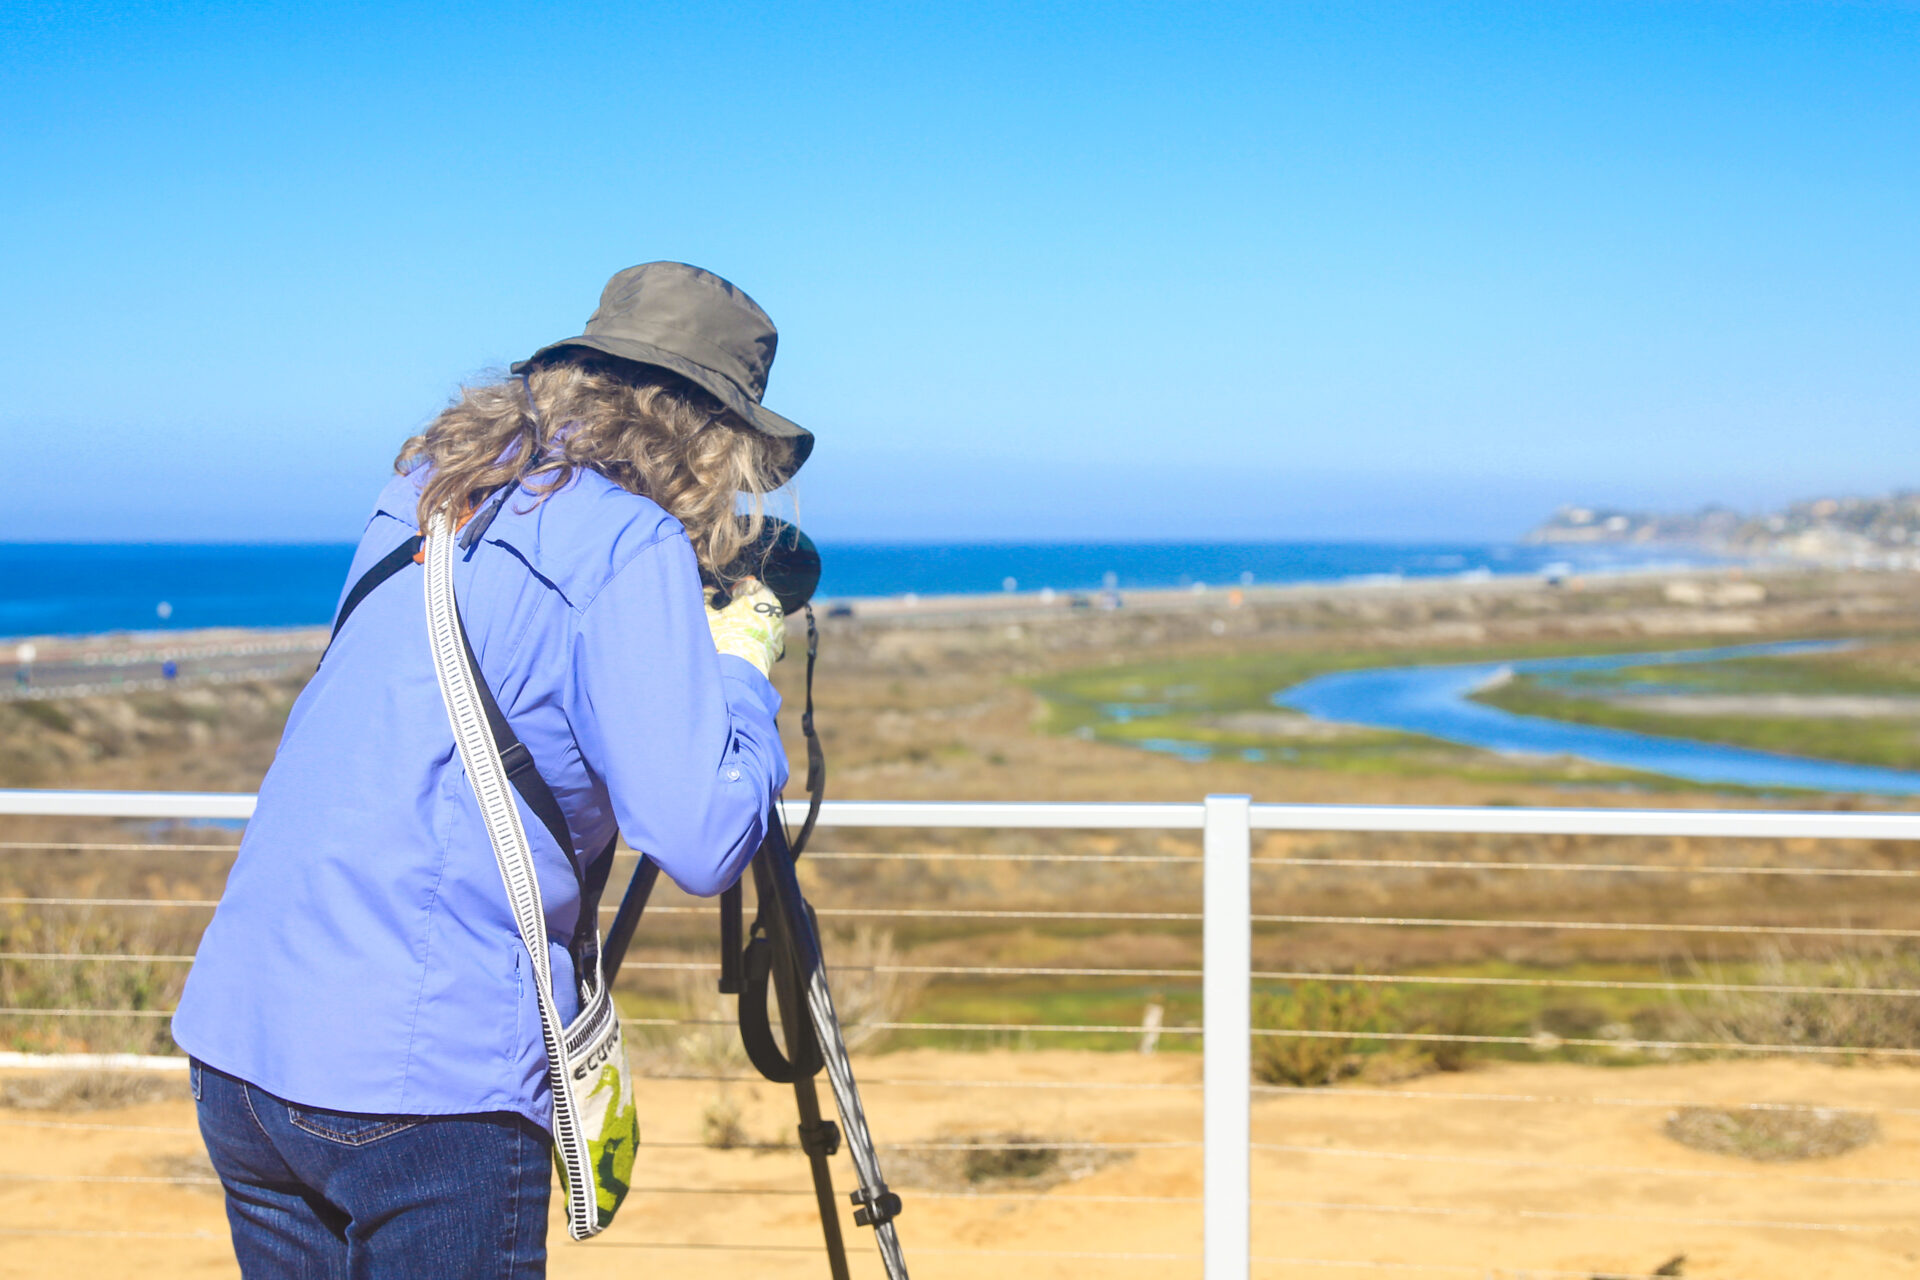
x=1225, y=705
x=1860, y=704
x=1879, y=723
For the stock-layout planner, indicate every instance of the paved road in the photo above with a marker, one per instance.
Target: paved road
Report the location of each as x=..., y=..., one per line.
x=86, y=668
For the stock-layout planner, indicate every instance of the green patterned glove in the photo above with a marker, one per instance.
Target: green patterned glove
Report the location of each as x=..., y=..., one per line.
x=751, y=626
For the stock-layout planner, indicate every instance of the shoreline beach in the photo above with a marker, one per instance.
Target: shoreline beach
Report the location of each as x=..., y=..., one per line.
x=959, y=606
x=71, y=591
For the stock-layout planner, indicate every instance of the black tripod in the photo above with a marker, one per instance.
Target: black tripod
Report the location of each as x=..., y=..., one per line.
x=783, y=952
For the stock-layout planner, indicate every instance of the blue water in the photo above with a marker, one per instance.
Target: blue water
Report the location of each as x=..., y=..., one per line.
x=1435, y=701
x=66, y=589
x=869, y=569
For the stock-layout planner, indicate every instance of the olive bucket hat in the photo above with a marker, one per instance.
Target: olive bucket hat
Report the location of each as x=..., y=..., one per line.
x=692, y=323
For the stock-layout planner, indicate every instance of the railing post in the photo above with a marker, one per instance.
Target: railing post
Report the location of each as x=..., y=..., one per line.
x=1227, y=1021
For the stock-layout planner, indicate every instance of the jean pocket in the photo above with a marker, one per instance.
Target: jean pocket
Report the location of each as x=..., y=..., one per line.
x=193, y=1076
x=349, y=1130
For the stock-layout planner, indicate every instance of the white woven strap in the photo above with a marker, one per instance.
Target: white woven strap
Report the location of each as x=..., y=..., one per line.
x=459, y=689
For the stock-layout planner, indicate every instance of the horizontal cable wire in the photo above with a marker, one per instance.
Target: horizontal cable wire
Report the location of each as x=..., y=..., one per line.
x=1178, y=916
x=1031, y=1198
x=119, y=848
x=1061, y=1027
x=1558, y=1215
x=10, y=1122
x=1508, y=1162
x=1096, y=1086
x=1590, y=984
x=696, y=966
x=696, y=1146
x=1543, y=1043
x=954, y=1146
x=1549, y=1099
x=1651, y=868
x=1115, y=1086
x=1548, y=1043
x=70, y=1234
x=1192, y=859
x=1004, y=971
x=1105, y=1256
x=1434, y=922
x=935, y=913
x=19, y=1011
x=120, y=956
x=1478, y=1272
x=109, y=902
x=1344, y=1094
x=1412, y=979
x=603, y=1243
x=178, y=1180
x=1039, y=1146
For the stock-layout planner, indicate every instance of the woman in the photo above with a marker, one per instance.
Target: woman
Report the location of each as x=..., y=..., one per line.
x=367, y=1052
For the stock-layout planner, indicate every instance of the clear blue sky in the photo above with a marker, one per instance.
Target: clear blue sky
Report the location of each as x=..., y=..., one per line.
x=1041, y=270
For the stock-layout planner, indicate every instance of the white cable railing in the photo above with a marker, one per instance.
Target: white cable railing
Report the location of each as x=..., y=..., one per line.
x=1226, y=923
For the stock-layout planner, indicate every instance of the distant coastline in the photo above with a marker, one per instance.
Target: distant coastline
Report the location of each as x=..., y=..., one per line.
x=68, y=589
x=1849, y=532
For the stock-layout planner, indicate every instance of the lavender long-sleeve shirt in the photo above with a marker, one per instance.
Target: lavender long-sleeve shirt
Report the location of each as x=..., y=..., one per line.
x=363, y=957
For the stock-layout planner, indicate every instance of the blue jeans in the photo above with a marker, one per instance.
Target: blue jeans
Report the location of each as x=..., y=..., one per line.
x=324, y=1195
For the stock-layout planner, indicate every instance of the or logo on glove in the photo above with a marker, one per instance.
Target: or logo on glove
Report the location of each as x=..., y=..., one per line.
x=751, y=625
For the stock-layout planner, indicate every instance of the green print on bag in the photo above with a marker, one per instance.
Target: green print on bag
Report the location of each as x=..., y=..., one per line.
x=604, y=1095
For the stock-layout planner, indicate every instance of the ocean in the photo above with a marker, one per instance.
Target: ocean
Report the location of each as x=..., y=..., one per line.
x=81, y=589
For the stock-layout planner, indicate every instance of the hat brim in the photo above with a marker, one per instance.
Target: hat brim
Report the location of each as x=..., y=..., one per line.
x=729, y=393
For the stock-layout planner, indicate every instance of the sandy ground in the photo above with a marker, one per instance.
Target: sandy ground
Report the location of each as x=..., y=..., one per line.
x=1505, y=1171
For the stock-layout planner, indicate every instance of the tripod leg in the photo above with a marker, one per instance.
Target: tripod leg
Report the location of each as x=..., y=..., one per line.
x=799, y=944
x=818, y=1137
x=614, y=950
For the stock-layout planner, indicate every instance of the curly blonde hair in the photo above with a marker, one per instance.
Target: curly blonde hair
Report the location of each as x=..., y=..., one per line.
x=648, y=431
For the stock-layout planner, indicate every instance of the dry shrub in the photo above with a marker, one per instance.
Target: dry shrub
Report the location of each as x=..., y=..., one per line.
x=1772, y=1134
x=1674, y=1266
x=1012, y=1160
x=867, y=986
x=721, y=1126
x=105, y=984
x=1864, y=1021
x=1338, y=1011
x=1020, y=1160
x=1465, y=1012
x=710, y=1044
